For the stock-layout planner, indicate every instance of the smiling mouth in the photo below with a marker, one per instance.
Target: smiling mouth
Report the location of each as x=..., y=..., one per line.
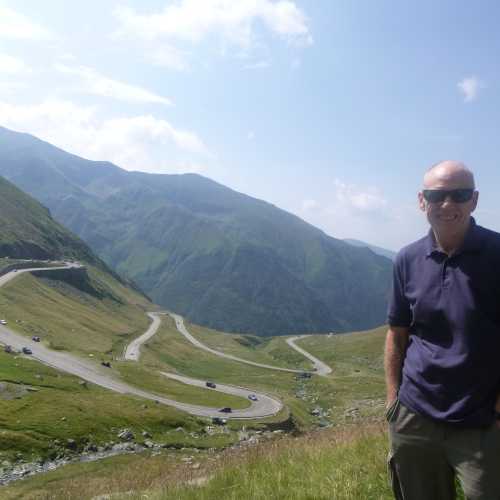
x=448, y=218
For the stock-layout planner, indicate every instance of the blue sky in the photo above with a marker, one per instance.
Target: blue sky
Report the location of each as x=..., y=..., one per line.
x=329, y=109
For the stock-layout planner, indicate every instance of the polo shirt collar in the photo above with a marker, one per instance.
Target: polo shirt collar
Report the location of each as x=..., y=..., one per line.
x=472, y=241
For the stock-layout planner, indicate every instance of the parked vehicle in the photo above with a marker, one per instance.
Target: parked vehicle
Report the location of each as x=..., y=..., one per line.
x=3, y=322
x=211, y=385
x=107, y=364
x=27, y=350
x=35, y=338
x=226, y=409
x=8, y=349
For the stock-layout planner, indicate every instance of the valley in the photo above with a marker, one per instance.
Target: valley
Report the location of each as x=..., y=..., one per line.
x=39, y=294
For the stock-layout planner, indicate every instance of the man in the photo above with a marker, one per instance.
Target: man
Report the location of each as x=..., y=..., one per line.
x=442, y=353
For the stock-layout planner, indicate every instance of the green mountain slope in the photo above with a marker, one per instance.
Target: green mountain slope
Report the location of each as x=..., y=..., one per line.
x=221, y=258
x=28, y=231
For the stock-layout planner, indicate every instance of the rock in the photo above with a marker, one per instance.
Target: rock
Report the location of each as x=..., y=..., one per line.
x=149, y=444
x=126, y=435
x=195, y=466
x=63, y=419
x=71, y=444
x=146, y=434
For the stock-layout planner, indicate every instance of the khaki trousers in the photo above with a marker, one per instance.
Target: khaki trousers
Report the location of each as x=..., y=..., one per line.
x=426, y=456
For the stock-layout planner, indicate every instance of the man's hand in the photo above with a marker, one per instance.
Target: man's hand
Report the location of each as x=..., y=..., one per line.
x=497, y=409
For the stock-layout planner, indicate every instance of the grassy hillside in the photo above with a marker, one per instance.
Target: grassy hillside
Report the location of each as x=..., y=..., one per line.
x=95, y=318
x=27, y=230
x=349, y=394
x=221, y=258
x=39, y=405
x=347, y=461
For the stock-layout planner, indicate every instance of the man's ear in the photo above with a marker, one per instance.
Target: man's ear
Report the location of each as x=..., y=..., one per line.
x=421, y=201
x=475, y=198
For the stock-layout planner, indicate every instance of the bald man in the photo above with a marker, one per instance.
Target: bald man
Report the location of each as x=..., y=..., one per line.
x=442, y=353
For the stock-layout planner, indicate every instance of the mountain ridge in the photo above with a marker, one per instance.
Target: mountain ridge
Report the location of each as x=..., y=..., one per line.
x=219, y=257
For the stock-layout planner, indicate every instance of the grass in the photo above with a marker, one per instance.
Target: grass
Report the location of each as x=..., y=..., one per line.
x=338, y=392
x=250, y=347
x=344, y=463
x=57, y=406
x=72, y=319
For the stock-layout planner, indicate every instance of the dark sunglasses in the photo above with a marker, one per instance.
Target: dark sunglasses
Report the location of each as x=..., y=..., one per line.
x=456, y=195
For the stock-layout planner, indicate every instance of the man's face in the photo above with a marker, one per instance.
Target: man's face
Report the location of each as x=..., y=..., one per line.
x=448, y=217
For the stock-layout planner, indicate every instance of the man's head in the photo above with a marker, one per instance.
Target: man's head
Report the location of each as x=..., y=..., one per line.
x=445, y=198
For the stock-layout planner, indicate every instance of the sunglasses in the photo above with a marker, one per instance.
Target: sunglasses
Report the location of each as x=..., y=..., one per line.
x=456, y=195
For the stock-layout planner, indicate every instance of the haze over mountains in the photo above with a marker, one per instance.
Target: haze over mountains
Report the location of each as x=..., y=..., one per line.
x=218, y=257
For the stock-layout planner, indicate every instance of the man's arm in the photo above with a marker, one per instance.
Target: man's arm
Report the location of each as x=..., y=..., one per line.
x=396, y=343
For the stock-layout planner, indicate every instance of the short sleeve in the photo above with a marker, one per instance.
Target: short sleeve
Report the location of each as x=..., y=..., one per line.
x=398, y=311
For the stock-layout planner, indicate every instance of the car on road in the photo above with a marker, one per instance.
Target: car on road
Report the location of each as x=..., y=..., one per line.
x=226, y=409
x=107, y=364
x=27, y=350
x=8, y=349
x=35, y=338
x=3, y=322
x=252, y=397
x=211, y=385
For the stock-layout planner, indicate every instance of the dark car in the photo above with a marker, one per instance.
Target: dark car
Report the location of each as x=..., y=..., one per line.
x=219, y=421
x=36, y=338
x=8, y=349
x=27, y=350
x=211, y=385
x=107, y=364
x=226, y=409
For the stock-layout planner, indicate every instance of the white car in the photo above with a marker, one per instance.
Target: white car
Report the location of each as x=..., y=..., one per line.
x=3, y=322
x=252, y=397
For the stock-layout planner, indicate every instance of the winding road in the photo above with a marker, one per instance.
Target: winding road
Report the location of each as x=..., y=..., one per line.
x=179, y=323
x=133, y=350
x=263, y=406
x=320, y=367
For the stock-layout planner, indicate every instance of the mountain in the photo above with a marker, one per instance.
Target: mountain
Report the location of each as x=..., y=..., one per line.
x=27, y=230
x=378, y=250
x=219, y=257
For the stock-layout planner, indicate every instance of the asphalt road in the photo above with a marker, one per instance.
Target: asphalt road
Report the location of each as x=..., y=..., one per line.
x=179, y=323
x=133, y=350
x=320, y=367
x=101, y=376
x=264, y=406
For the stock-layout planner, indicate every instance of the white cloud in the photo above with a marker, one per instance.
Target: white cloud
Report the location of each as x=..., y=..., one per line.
x=93, y=83
x=11, y=65
x=233, y=23
x=168, y=57
x=258, y=65
x=308, y=205
x=18, y=27
x=470, y=87
x=140, y=142
x=363, y=213
x=368, y=199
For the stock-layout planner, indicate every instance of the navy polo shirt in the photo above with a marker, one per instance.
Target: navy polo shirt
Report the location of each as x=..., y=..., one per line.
x=451, y=306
